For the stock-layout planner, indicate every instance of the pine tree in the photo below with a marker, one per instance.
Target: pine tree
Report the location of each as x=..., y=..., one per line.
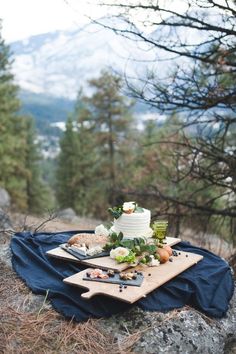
x=86, y=178
x=76, y=173
x=67, y=167
x=12, y=136
x=95, y=149
x=110, y=113
x=38, y=193
x=16, y=144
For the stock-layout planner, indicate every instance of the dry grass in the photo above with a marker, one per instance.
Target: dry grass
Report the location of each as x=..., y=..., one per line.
x=23, y=333
x=50, y=224
x=45, y=331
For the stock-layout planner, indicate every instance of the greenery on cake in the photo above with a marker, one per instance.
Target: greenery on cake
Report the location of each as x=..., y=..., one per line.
x=135, y=250
x=127, y=208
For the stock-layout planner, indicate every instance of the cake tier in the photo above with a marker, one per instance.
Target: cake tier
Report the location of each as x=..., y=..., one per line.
x=134, y=224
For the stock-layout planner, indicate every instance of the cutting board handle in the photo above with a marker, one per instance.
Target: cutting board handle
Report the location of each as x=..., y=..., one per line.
x=88, y=294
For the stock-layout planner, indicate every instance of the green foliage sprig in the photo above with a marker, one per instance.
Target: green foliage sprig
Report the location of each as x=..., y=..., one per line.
x=137, y=246
x=116, y=211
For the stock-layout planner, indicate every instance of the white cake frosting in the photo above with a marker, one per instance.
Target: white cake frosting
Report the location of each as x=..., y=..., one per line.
x=133, y=225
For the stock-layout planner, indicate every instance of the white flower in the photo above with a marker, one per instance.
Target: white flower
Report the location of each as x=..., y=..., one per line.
x=153, y=262
x=128, y=207
x=101, y=230
x=119, y=251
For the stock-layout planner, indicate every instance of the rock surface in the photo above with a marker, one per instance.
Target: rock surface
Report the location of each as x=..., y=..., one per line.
x=66, y=214
x=5, y=202
x=5, y=199
x=69, y=215
x=181, y=331
x=5, y=221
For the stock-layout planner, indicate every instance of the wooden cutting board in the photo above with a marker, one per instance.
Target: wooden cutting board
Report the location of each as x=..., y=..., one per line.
x=104, y=262
x=153, y=278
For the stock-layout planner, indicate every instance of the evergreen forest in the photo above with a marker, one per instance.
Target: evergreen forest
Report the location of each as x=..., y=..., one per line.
x=183, y=167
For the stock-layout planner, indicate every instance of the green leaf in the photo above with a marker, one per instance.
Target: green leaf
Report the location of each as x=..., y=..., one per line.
x=116, y=212
x=139, y=209
x=127, y=243
x=120, y=237
x=113, y=237
x=108, y=246
x=130, y=258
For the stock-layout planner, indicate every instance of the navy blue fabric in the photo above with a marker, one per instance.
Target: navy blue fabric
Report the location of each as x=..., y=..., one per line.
x=207, y=286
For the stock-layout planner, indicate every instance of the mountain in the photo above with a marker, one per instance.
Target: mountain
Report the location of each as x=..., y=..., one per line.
x=50, y=69
x=59, y=63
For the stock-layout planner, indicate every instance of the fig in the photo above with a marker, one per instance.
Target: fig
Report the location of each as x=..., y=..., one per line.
x=169, y=249
x=164, y=255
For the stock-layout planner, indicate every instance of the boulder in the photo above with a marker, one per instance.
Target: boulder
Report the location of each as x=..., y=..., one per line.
x=67, y=214
x=232, y=262
x=5, y=221
x=180, y=331
x=5, y=255
x=5, y=199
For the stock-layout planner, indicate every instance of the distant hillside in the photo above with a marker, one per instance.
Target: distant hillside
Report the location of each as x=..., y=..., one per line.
x=46, y=110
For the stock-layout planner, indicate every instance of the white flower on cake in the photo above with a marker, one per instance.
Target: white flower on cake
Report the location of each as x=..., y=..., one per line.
x=128, y=207
x=119, y=251
x=101, y=230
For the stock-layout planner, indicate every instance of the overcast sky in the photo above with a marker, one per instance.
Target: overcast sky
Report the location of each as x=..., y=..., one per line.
x=24, y=18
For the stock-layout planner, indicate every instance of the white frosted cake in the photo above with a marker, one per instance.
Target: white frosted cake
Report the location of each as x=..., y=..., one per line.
x=134, y=224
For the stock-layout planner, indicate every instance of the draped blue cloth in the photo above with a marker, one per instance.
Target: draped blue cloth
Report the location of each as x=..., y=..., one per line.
x=207, y=286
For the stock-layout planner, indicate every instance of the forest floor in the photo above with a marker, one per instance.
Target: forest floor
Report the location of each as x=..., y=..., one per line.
x=28, y=323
